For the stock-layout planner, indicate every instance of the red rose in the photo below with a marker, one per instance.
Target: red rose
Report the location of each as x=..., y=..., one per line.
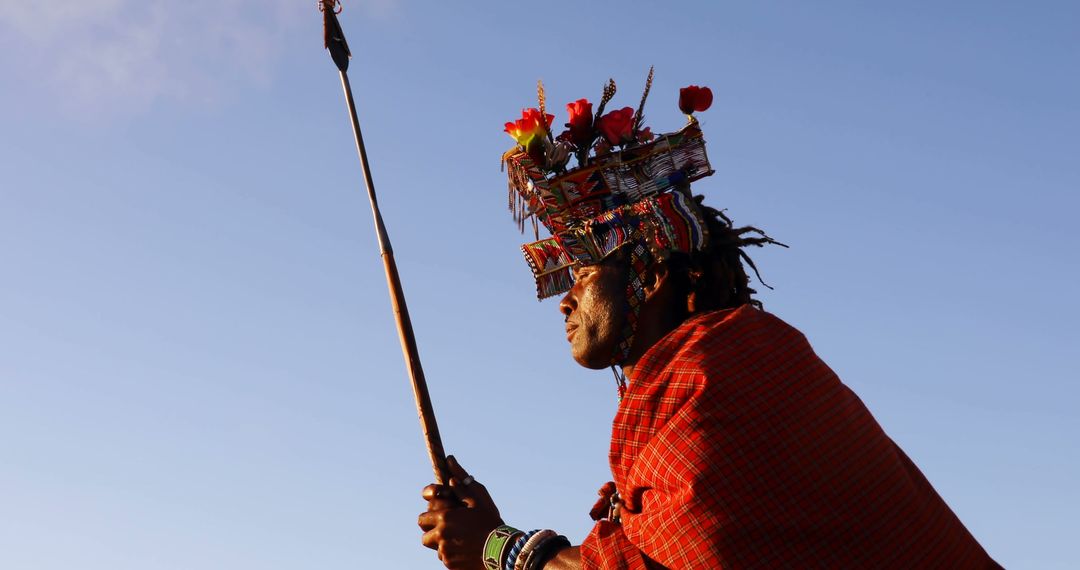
x=580, y=124
x=694, y=98
x=617, y=126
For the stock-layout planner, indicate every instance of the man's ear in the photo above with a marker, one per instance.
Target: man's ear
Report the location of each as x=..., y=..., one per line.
x=657, y=280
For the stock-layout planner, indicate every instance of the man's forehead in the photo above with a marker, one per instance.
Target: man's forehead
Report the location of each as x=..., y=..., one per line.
x=614, y=261
x=581, y=268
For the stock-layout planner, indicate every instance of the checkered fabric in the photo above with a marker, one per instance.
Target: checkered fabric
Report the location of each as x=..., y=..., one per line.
x=735, y=446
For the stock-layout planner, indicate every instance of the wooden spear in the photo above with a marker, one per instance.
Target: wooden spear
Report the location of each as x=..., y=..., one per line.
x=339, y=52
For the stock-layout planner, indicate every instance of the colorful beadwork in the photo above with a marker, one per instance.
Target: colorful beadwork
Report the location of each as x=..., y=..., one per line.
x=668, y=222
x=544, y=550
x=495, y=546
x=511, y=558
x=528, y=549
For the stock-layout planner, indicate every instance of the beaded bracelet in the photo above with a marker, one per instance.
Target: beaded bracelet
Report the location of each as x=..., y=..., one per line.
x=496, y=545
x=529, y=546
x=544, y=551
x=511, y=559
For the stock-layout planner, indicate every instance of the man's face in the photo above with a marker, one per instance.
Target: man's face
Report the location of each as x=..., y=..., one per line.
x=594, y=310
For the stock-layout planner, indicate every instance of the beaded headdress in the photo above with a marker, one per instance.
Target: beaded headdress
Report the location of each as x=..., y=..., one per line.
x=627, y=188
x=626, y=182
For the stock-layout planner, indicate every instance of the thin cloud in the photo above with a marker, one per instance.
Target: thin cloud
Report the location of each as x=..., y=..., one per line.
x=124, y=55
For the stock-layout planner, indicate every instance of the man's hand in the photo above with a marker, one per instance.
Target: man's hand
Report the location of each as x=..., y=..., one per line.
x=458, y=520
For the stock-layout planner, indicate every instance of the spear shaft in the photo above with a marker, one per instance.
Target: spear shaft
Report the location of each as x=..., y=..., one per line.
x=339, y=52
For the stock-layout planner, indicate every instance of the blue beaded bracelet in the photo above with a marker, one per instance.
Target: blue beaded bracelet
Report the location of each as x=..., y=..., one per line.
x=516, y=549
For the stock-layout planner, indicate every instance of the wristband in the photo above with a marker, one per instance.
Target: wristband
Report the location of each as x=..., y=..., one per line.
x=515, y=551
x=495, y=545
x=545, y=550
x=529, y=547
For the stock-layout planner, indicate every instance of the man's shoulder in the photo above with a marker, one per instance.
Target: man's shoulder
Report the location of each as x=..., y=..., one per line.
x=725, y=334
x=724, y=346
x=745, y=346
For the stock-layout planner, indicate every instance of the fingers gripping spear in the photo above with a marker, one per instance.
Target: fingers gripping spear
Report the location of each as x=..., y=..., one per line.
x=339, y=52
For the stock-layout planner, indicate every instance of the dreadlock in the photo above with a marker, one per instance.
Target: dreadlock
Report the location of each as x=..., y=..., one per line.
x=716, y=278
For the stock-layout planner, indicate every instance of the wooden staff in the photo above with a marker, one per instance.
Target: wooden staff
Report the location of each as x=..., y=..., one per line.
x=339, y=52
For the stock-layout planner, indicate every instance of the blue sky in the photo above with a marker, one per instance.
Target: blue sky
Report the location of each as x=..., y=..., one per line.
x=198, y=364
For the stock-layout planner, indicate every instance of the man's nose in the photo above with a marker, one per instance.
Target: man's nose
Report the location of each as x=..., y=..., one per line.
x=567, y=304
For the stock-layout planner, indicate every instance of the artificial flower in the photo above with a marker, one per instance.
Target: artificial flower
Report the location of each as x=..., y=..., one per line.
x=529, y=127
x=617, y=126
x=645, y=135
x=581, y=122
x=694, y=98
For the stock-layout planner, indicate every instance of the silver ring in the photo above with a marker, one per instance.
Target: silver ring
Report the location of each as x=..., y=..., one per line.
x=468, y=480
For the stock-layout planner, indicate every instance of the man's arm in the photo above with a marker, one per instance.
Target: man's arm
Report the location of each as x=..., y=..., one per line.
x=566, y=559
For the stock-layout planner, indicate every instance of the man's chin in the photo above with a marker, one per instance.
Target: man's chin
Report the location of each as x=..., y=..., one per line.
x=590, y=360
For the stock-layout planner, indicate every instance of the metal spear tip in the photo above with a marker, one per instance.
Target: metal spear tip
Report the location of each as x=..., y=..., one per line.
x=333, y=36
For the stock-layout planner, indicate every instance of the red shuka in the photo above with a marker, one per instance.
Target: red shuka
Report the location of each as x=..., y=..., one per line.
x=735, y=446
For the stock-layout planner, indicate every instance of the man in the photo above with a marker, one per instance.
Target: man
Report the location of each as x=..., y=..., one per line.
x=734, y=445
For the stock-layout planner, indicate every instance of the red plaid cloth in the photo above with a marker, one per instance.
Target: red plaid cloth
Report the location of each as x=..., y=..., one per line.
x=737, y=447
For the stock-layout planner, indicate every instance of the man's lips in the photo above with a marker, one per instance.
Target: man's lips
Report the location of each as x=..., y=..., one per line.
x=571, y=328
